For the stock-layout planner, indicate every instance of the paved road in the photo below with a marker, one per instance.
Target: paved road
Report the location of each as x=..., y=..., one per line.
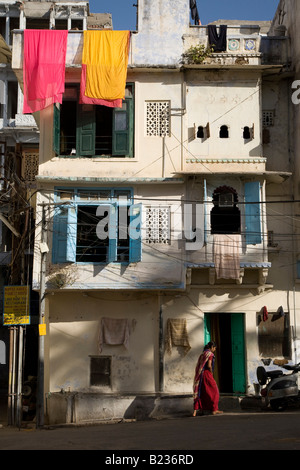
x=231, y=431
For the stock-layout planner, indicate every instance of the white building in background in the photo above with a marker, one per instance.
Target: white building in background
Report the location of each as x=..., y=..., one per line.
x=200, y=156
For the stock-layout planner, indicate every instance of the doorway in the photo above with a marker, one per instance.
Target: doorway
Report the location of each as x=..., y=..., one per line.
x=227, y=330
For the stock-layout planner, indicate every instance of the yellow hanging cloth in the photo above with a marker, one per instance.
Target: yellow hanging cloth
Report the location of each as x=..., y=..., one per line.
x=105, y=54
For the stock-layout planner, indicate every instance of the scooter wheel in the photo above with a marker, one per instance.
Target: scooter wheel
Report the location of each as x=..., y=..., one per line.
x=278, y=405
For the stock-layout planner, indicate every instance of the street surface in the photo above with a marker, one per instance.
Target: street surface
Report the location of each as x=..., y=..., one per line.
x=230, y=431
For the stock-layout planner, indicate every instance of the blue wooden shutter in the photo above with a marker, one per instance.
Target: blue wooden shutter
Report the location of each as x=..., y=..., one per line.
x=59, y=243
x=252, y=213
x=135, y=233
x=64, y=234
x=122, y=140
x=56, y=129
x=71, y=234
x=86, y=130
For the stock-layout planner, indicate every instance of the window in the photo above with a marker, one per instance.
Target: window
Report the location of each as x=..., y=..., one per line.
x=274, y=335
x=224, y=134
x=158, y=118
x=200, y=132
x=96, y=226
x=86, y=130
x=100, y=370
x=225, y=215
x=246, y=133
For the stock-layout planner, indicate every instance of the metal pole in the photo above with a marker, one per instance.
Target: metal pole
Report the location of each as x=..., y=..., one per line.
x=40, y=381
x=20, y=379
x=10, y=372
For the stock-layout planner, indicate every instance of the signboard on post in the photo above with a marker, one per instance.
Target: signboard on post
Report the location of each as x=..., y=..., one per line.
x=16, y=305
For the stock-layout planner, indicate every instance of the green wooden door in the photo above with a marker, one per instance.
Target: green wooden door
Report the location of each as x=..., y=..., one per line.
x=237, y=349
x=238, y=353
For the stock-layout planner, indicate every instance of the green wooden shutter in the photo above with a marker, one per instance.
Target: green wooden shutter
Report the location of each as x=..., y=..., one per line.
x=122, y=140
x=238, y=353
x=207, y=334
x=252, y=213
x=56, y=129
x=135, y=233
x=86, y=130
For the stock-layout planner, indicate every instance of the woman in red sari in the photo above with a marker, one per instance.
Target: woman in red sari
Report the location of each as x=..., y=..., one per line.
x=206, y=392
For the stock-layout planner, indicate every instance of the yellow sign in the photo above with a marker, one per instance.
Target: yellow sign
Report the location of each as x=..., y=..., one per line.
x=16, y=305
x=42, y=329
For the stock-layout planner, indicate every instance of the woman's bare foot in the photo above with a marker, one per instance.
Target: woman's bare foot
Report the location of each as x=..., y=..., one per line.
x=195, y=413
x=217, y=412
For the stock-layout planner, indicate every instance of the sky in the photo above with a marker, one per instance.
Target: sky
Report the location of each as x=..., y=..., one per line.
x=124, y=13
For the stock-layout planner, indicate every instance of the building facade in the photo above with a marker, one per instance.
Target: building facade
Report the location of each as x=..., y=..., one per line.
x=192, y=181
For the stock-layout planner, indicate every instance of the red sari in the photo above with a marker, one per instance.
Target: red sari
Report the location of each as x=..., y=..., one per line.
x=206, y=392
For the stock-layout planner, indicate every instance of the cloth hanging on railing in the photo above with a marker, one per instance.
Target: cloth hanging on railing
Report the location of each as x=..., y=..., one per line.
x=176, y=334
x=105, y=54
x=227, y=256
x=114, y=331
x=194, y=12
x=44, y=68
x=217, y=41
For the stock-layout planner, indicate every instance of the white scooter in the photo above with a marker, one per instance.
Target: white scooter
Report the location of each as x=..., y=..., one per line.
x=279, y=389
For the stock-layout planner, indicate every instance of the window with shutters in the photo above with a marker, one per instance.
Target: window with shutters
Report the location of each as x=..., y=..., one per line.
x=96, y=226
x=225, y=217
x=85, y=130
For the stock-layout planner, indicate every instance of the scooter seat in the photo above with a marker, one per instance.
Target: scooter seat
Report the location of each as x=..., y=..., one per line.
x=274, y=373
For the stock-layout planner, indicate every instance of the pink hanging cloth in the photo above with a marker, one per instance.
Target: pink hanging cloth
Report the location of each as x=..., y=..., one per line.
x=44, y=68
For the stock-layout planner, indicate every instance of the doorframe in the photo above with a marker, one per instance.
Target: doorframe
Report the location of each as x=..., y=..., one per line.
x=238, y=346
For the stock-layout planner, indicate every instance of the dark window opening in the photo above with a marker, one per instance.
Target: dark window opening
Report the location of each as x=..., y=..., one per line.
x=225, y=216
x=246, y=133
x=77, y=24
x=90, y=248
x=200, y=132
x=37, y=23
x=103, y=140
x=61, y=24
x=224, y=134
x=100, y=371
x=68, y=128
x=12, y=102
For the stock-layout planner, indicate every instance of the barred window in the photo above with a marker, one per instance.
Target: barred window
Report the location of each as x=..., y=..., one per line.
x=158, y=118
x=157, y=225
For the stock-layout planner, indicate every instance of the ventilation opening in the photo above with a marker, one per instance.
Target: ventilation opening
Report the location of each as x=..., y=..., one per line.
x=200, y=132
x=246, y=133
x=224, y=134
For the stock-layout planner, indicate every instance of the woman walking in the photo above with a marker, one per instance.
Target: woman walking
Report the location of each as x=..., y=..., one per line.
x=206, y=392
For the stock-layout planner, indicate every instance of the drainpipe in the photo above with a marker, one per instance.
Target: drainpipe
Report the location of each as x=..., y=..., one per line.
x=40, y=390
x=161, y=350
